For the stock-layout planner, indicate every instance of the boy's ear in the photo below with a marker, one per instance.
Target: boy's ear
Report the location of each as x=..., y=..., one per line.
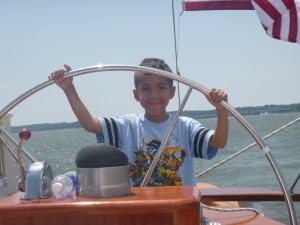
x=136, y=94
x=172, y=94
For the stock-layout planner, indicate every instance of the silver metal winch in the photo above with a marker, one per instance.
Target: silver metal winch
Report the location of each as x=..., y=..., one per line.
x=102, y=171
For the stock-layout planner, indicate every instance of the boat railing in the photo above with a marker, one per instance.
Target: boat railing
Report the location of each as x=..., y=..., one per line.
x=246, y=149
x=294, y=183
x=4, y=133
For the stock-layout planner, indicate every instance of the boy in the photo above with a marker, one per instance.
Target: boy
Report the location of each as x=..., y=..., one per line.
x=140, y=135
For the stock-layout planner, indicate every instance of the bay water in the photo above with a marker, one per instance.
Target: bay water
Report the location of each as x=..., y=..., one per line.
x=251, y=169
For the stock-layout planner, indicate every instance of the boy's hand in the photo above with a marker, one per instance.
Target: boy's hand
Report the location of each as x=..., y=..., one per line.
x=58, y=77
x=216, y=96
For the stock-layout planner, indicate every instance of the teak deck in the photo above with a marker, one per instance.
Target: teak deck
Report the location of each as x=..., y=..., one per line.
x=148, y=205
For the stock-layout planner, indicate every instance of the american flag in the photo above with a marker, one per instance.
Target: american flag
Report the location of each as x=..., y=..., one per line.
x=280, y=18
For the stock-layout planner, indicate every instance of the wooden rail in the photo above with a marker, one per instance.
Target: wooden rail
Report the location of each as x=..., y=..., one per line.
x=147, y=205
x=246, y=194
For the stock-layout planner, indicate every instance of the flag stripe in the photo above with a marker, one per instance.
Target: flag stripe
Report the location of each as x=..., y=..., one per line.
x=193, y=5
x=268, y=9
x=294, y=20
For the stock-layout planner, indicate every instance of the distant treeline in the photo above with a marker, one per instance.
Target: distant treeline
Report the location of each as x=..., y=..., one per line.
x=193, y=114
x=255, y=110
x=47, y=126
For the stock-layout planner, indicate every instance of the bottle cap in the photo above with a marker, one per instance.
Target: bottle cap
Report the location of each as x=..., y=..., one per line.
x=57, y=188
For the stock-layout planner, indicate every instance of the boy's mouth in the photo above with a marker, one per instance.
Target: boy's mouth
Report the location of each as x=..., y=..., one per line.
x=154, y=103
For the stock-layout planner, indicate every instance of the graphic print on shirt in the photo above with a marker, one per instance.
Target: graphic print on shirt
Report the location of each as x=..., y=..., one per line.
x=165, y=173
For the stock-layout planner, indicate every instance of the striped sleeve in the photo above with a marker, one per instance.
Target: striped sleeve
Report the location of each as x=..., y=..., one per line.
x=200, y=148
x=110, y=132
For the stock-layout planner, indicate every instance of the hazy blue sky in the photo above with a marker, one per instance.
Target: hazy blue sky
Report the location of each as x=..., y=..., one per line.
x=223, y=49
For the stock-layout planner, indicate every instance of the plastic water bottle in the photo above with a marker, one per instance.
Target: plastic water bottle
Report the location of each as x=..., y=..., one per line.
x=64, y=185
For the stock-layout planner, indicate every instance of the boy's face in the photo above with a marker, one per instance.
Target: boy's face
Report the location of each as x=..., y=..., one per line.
x=154, y=92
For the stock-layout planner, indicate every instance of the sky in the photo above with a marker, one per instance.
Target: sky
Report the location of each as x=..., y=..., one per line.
x=221, y=49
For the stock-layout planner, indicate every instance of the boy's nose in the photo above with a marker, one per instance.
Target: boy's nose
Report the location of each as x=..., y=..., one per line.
x=153, y=93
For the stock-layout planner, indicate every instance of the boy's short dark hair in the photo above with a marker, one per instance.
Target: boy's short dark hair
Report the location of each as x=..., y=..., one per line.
x=154, y=63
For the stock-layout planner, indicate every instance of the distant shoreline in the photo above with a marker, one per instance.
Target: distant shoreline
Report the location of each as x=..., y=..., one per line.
x=197, y=114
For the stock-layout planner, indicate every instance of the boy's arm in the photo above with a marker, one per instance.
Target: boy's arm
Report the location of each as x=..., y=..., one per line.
x=219, y=139
x=83, y=115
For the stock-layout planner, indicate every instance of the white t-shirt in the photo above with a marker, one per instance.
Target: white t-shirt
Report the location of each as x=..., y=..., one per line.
x=140, y=139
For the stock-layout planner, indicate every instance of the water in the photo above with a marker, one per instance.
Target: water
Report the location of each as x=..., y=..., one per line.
x=59, y=148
